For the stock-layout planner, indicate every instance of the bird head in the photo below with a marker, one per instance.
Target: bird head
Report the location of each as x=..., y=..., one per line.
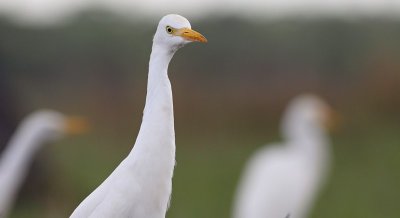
x=174, y=31
x=308, y=112
x=51, y=125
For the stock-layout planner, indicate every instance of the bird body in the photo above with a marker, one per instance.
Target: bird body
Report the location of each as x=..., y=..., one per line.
x=141, y=185
x=36, y=129
x=283, y=179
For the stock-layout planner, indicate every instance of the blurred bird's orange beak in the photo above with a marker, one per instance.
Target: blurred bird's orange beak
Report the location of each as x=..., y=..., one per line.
x=190, y=35
x=333, y=120
x=76, y=125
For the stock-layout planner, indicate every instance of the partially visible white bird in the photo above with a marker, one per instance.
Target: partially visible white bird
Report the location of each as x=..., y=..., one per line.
x=283, y=180
x=140, y=187
x=34, y=131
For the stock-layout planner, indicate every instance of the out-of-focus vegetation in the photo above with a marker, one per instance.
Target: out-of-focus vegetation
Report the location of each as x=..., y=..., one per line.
x=228, y=95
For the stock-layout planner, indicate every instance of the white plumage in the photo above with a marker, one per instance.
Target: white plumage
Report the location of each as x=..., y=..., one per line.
x=140, y=187
x=34, y=131
x=283, y=180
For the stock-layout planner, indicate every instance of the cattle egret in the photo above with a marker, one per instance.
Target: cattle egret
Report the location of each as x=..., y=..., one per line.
x=34, y=131
x=142, y=183
x=283, y=180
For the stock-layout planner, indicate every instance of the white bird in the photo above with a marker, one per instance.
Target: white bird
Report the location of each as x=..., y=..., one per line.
x=140, y=187
x=34, y=131
x=283, y=180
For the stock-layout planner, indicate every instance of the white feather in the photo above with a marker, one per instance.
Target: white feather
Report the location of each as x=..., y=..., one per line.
x=282, y=180
x=140, y=187
x=34, y=131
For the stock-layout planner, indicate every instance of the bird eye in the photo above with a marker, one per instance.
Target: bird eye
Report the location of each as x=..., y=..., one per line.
x=169, y=29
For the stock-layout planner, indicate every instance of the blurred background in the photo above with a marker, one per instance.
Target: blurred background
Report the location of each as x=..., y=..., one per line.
x=90, y=58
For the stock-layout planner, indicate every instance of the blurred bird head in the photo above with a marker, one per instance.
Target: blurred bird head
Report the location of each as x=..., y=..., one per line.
x=51, y=125
x=174, y=31
x=307, y=113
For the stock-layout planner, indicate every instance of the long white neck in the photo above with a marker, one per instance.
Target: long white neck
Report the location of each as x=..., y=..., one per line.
x=158, y=78
x=153, y=155
x=15, y=162
x=313, y=143
x=157, y=129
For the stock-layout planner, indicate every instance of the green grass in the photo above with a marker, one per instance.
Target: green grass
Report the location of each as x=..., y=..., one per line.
x=364, y=182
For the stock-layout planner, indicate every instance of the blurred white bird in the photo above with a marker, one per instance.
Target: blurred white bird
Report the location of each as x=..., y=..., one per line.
x=140, y=187
x=34, y=131
x=283, y=180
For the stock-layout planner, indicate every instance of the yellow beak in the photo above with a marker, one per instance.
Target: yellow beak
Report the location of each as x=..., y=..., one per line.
x=190, y=35
x=76, y=125
x=333, y=120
